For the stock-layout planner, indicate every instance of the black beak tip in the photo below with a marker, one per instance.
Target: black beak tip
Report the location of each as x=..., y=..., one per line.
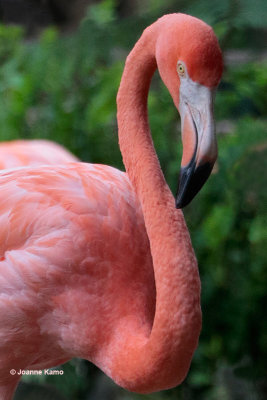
x=191, y=180
x=179, y=203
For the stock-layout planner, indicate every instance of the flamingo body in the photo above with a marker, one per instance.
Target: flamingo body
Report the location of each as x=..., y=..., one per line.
x=58, y=229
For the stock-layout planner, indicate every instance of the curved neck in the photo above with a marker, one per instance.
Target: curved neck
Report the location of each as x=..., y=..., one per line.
x=134, y=133
x=161, y=360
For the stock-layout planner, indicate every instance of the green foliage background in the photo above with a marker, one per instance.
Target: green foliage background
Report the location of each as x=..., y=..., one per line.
x=63, y=87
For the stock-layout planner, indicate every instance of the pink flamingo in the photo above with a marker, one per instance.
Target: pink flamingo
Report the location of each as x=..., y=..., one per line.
x=97, y=263
x=19, y=153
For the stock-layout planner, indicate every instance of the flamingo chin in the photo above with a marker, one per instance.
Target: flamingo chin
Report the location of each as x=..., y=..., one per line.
x=97, y=263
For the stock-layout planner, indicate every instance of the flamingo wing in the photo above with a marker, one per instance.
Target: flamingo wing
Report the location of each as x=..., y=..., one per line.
x=70, y=238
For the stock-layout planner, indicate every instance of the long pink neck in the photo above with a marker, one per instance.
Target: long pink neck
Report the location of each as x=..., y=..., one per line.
x=161, y=360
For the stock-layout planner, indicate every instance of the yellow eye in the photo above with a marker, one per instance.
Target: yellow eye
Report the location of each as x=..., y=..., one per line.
x=181, y=69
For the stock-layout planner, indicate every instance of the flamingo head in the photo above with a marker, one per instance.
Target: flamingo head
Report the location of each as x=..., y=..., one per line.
x=190, y=63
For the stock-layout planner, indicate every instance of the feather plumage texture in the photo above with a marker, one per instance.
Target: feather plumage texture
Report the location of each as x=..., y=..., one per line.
x=58, y=227
x=20, y=153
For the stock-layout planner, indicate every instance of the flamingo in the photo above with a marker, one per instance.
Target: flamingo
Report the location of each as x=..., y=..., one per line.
x=19, y=153
x=97, y=263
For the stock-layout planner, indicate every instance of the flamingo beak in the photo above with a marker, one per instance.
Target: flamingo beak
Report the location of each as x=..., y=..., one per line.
x=199, y=145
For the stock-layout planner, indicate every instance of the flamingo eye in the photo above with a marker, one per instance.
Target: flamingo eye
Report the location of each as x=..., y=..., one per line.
x=180, y=69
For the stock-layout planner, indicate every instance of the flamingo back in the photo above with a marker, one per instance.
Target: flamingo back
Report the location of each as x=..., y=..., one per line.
x=19, y=153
